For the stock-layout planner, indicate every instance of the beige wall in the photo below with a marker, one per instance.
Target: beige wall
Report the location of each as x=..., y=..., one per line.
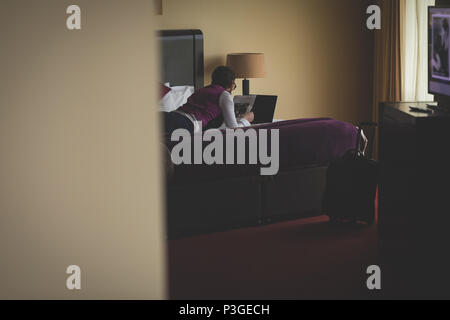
x=318, y=52
x=79, y=180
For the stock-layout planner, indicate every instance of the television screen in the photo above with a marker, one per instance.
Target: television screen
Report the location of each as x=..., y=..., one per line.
x=439, y=53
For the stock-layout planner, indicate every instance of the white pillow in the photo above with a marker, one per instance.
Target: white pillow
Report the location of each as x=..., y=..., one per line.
x=177, y=97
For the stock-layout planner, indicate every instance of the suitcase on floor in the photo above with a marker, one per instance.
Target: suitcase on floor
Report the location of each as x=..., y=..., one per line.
x=352, y=182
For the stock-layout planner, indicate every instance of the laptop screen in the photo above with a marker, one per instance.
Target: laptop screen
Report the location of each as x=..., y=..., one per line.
x=264, y=109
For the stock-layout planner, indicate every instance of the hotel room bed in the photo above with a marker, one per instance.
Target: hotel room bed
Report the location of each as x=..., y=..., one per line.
x=302, y=142
x=198, y=196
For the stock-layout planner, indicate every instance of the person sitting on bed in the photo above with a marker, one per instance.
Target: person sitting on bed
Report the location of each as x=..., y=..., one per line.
x=209, y=105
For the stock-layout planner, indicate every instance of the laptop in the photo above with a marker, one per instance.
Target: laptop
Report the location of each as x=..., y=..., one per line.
x=262, y=106
x=264, y=109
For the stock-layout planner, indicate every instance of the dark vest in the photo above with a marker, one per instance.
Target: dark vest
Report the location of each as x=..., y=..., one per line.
x=204, y=104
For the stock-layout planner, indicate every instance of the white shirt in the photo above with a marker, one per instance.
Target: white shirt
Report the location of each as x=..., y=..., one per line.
x=226, y=104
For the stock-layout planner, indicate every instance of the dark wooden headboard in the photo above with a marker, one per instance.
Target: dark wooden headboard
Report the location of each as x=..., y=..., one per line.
x=182, y=57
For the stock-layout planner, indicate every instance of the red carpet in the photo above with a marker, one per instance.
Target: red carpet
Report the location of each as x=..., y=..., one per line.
x=306, y=259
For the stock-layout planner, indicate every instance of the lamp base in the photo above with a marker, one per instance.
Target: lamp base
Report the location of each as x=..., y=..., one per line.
x=246, y=87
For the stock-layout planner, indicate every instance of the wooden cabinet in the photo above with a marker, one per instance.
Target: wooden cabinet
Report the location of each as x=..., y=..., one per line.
x=414, y=200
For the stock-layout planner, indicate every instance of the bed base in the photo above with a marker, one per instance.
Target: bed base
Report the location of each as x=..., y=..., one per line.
x=199, y=208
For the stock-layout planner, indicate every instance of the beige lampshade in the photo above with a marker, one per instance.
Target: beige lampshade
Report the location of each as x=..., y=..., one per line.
x=247, y=65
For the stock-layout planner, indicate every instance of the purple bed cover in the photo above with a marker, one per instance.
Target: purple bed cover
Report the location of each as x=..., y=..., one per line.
x=303, y=142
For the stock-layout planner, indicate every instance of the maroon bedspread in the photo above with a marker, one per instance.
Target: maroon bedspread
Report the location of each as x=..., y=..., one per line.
x=303, y=142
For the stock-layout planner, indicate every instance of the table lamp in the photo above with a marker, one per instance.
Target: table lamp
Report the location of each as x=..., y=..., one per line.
x=247, y=66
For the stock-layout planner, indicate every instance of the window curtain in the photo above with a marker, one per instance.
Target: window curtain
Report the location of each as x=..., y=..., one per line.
x=414, y=48
x=387, y=64
x=387, y=56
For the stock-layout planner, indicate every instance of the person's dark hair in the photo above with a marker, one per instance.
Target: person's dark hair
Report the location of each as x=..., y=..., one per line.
x=223, y=76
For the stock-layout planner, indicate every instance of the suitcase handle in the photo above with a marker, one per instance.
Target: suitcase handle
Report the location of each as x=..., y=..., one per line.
x=356, y=152
x=359, y=152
